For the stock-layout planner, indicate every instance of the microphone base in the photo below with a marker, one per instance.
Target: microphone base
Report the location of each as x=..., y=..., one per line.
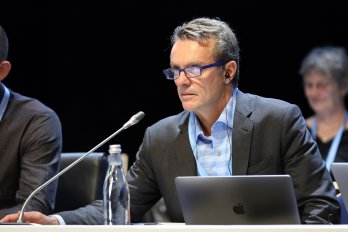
x=14, y=223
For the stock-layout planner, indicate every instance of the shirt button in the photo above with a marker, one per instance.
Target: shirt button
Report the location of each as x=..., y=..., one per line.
x=218, y=153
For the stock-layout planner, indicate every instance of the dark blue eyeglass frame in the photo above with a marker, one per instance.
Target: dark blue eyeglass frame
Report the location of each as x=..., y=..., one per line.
x=174, y=73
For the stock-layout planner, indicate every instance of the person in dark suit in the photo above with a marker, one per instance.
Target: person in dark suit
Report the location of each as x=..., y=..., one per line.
x=30, y=146
x=222, y=131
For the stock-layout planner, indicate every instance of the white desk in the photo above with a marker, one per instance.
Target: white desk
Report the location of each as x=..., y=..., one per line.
x=174, y=228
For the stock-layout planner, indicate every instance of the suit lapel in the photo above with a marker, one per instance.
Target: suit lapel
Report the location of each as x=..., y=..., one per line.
x=242, y=133
x=186, y=161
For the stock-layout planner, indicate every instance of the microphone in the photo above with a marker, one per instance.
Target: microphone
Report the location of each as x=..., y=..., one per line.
x=132, y=121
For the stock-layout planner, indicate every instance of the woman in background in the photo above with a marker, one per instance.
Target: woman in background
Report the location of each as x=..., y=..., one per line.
x=325, y=78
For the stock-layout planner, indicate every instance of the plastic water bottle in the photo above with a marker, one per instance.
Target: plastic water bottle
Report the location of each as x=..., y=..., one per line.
x=115, y=190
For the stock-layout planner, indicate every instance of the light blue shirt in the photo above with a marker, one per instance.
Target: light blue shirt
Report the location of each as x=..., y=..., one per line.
x=213, y=153
x=4, y=101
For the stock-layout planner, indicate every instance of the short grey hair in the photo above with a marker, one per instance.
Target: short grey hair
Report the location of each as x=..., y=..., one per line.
x=203, y=29
x=330, y=61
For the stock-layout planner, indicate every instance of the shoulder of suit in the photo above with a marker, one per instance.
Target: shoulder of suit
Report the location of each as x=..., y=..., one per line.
x=30, y=105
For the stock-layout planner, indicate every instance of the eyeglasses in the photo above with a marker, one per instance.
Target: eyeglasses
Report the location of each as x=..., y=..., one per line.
x=190, y=72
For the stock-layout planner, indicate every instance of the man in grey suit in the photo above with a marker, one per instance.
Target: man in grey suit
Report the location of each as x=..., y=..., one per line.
x=222, y=131
x=30, y=146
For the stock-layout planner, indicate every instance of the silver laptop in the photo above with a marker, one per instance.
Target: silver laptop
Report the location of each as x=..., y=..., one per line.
x=237, y=200
x=340, y=173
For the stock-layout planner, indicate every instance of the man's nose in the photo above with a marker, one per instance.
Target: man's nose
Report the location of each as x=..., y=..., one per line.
x=182, y=78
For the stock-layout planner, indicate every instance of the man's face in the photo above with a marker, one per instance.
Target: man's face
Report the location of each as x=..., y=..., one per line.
x=203, y=93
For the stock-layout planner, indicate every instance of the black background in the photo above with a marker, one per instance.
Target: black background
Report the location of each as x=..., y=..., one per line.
x=96, y=64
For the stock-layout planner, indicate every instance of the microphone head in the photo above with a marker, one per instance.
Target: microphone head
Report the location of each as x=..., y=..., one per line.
x=134, y=119
x=137, y=117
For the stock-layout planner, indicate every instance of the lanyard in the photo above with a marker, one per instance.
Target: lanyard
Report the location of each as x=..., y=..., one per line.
x=335, y=143
x=201, y=170
x=4, y=102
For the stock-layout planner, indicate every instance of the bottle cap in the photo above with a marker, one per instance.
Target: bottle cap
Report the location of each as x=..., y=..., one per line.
x=115, y=148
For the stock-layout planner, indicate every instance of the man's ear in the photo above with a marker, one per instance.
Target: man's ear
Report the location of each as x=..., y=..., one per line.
x=5, y=67
x=231, y=68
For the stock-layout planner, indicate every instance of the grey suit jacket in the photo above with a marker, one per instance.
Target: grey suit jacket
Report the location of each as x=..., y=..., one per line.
x=269, y=137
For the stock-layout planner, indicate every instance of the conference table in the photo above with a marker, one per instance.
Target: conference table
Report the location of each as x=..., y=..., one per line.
x=174, y=227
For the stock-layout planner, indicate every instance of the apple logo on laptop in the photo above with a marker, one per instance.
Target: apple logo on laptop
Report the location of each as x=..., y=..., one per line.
x=239, y=209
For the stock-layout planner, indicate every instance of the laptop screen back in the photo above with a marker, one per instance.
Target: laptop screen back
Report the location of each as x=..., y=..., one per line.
x=242, y=200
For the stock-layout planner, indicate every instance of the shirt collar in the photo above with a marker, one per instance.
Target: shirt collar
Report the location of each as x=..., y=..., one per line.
x=2, y=91
x=226, y=115
x=222, y=118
